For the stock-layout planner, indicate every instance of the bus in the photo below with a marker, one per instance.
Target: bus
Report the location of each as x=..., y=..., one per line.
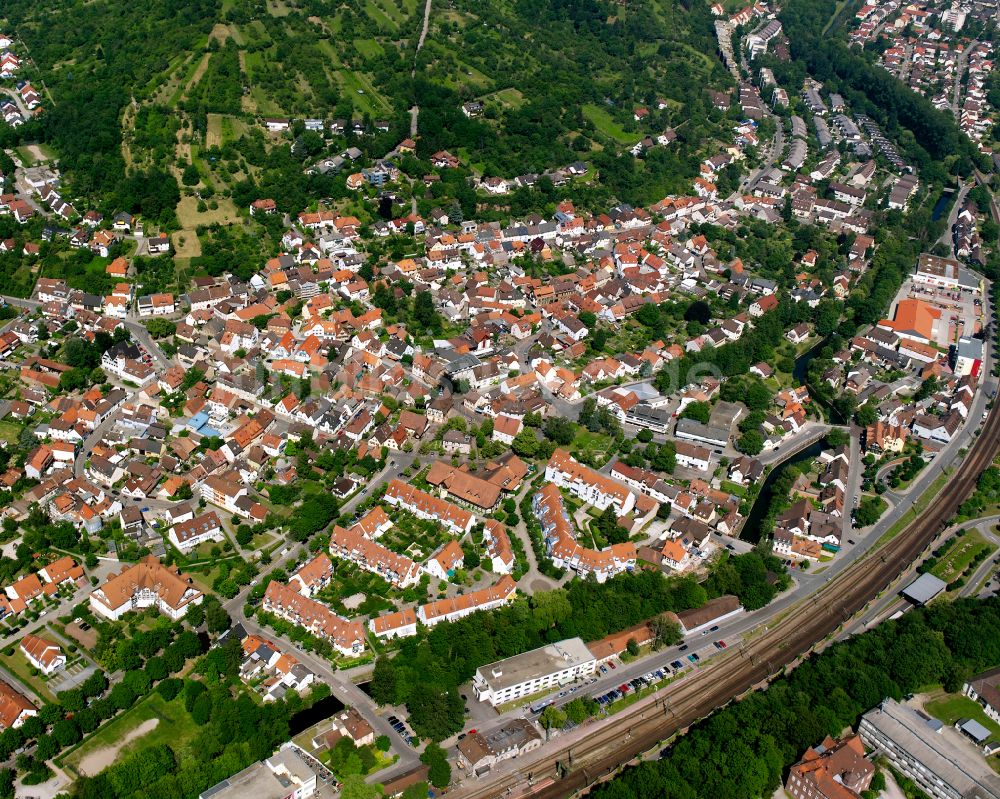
x=538, y=707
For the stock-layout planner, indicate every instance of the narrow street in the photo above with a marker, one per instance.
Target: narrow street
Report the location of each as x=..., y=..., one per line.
x=415, y=110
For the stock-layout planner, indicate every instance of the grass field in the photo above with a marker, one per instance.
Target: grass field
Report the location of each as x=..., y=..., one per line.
x=917, y=508
x=414, y=537
x=186, y=243
x=18, y=665
x=369, y=48
x=605, y=124
x=596, y=447
x=509, y=97
x=10, y=432
x=963, y=550
x=190, y=217
x=949, y=708
x=382, y=19
x=352, y=82
x=213, y=134
x=176, y=729
x=35, y=153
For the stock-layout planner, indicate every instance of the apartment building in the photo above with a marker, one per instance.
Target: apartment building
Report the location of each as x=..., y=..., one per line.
x=398, y=624
x=347, y=637
x=425, y=506
x=193, y=532
x=355, y=546
x=494, y=596
x=566, y=552
x=313, y=576
x=146, y=584
x=285, y=775
x=590, y=486
x=833, y=770
x=935, y=757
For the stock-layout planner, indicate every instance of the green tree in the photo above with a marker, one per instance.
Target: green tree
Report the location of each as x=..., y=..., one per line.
x=424, y=312
x=201, y=711
x=190, y=176
x=750, y=443
x=699, y=411
x=551, y=717
x=525, y=443
x=608, y=525
x=416, y=791
x=560, y=430
x=436, y=760
x=354, y=786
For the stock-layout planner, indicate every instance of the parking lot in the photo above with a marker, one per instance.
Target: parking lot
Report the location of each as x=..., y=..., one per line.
x=668, y=671
x=961, y=311
x=70, y=677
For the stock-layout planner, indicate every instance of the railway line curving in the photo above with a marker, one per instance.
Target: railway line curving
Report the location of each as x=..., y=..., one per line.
x=646, y=724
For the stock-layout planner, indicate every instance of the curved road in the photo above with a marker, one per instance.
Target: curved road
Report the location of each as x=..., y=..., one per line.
x=592, y=753
x=775, y=637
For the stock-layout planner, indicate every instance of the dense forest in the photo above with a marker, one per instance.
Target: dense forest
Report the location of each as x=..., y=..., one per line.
x=744, y=750
x=96, y=57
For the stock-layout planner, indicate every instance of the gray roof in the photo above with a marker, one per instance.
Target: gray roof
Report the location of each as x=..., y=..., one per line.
x=940, y=754
x=924, y=589
x=540, y=662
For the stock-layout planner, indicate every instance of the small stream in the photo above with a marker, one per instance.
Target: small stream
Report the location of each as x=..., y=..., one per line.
x=801, y=372
x=751, y=529
x=323, y=709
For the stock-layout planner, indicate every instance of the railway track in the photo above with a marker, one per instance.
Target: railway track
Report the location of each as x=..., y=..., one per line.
x=645, y=725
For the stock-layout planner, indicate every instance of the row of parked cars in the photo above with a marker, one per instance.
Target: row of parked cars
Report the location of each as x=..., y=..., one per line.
x=399, y=727
x=650, y=677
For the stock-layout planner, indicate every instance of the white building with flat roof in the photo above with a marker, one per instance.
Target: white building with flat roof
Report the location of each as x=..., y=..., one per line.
x=533, y=672
x=928, y=752
x=284, y=775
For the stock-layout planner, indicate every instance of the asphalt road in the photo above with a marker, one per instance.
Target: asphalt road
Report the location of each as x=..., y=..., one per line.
x=805, y=582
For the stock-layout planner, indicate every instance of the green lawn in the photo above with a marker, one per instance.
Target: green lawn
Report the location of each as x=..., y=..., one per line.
x=949, y=708
x=511, y=98
x=29, y=153
x=962, y=552
x=350, y=580
x=369, y=48
x=176, y=729
x=916, y=509
x=10, y=432
x=18, y=665
x=381, y=18
x=605, y=124
x=595, y=447
x=414, y=537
